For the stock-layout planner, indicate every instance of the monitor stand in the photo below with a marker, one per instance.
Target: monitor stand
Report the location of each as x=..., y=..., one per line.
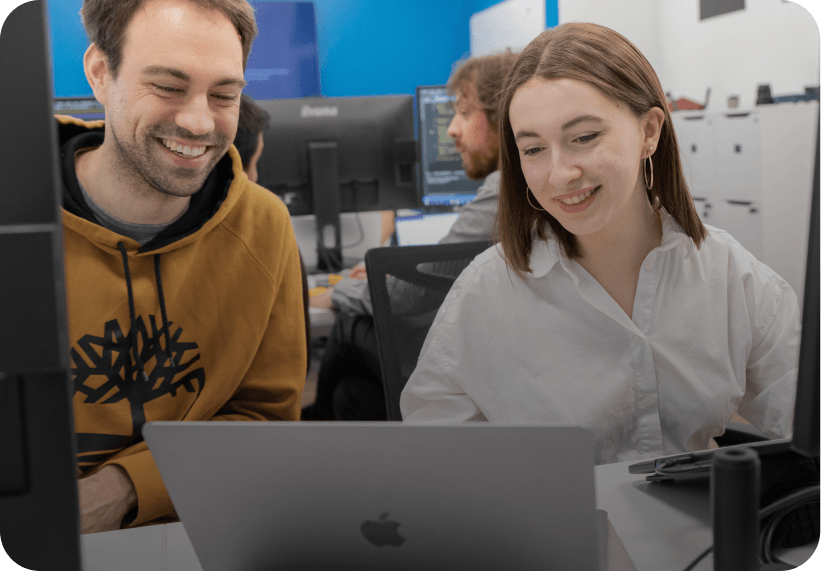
x=324, y=163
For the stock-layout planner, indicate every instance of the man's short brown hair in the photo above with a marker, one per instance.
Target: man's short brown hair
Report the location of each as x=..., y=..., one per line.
x=487, y=74
x=105, y=22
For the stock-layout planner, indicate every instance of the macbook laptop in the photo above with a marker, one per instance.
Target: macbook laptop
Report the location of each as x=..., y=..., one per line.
x=382, y=496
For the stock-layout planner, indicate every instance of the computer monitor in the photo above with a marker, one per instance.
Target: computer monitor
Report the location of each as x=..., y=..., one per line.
x=806, y=420
x=285, y=60
x=443, y=179
x=86, y=108
x=39, y=516
x=324, y=156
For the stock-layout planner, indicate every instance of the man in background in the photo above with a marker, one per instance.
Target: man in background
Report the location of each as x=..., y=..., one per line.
x=349, y=383
x=250, y=140
x=183, y=282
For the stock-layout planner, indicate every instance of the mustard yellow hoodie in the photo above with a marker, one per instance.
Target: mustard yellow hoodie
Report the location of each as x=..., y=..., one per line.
x=217, y=317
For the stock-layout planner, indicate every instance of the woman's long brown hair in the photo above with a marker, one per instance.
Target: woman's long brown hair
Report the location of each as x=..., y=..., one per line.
x=606, y=60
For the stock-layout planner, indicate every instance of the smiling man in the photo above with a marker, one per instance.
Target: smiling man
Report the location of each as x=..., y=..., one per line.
x=183, y=283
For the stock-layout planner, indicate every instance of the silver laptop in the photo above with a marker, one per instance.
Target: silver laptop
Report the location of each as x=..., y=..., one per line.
x=382, y=496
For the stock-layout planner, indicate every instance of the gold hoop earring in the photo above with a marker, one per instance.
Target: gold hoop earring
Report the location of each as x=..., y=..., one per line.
x=649, y=159
x=527, y=195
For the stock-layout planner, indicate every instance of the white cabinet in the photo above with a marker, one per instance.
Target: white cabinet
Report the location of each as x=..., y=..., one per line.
x=737, y=162
x=742, y=219
x=720, y=153
x=750, y=173
x=697, y=149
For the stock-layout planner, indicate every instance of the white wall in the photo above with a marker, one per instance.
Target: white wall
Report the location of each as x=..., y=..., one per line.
x=509, y=25
x=636, y=20
x=770, y=41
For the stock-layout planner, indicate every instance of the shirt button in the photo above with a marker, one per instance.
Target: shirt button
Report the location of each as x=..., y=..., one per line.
x=649, y=264
x=647, y=401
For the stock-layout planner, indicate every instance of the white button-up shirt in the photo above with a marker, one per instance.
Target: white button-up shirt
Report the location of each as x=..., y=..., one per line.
x=714, y=331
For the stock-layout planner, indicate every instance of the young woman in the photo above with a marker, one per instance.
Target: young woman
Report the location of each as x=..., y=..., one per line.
x=607, y=303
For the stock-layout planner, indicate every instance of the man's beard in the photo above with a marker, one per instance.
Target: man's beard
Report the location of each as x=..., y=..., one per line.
x=479, y=165
x=138, y=158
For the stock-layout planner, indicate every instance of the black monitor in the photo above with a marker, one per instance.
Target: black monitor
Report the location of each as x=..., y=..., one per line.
x=324, y=156
x=444, y=181
x=86, y=108
x=806, y=421
x=39, y=516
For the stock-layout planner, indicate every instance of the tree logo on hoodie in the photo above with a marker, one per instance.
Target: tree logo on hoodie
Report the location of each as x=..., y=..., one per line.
x=104, y=372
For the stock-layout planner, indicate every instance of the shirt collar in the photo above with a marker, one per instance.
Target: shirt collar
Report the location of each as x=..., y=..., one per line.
x=547, y=253
x=672, y=235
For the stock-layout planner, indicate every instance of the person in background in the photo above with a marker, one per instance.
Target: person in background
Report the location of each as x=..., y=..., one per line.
x=607, y=304
x=250, y=140
x=182, y=276
x=349, y=384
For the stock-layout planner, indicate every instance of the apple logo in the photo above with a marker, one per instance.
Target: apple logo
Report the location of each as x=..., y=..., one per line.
x=382, y=532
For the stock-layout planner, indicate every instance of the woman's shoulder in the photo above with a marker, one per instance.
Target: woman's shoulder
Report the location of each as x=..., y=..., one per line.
x=722, y=244
x=479, y=282
x=486, y=266
x=721, y=248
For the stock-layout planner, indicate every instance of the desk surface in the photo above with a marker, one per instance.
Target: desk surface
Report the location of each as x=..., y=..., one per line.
x=662, y=527
x=321, y=321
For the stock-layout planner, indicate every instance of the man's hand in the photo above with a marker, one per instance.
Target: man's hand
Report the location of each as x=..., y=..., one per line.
x=105, y=498
x=358, y=272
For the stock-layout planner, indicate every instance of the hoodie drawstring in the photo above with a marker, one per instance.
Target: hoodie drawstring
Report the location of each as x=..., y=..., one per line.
x=134, y=349
x=166, y=327
x=132, y=314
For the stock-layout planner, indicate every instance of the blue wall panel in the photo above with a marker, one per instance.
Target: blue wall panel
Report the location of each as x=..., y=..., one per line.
x=371, y=47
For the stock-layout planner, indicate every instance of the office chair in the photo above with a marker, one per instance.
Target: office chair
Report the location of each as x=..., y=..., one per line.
x=407, y=285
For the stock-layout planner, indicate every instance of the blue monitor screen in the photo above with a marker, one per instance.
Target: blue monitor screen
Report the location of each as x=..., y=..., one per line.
x=444, y=181
x=284, y=61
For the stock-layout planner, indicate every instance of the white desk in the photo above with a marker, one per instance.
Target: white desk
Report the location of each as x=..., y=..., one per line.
x=321, y=321
x=662, y=527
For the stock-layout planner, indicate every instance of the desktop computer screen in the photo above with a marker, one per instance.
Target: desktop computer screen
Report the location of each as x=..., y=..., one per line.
x=806, y=420
x=285, y=60
x=283, y=63
x=444, y=182
x=86, y=108
x=39, y=514
x=324, y=156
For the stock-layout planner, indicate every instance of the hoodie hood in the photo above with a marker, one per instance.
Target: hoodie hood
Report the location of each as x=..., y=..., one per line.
x=207, y=208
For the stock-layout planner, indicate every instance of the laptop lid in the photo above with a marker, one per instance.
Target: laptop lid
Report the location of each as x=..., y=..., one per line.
x=376, y=496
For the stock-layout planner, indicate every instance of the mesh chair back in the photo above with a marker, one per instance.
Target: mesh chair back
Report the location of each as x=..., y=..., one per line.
x=408, y=284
